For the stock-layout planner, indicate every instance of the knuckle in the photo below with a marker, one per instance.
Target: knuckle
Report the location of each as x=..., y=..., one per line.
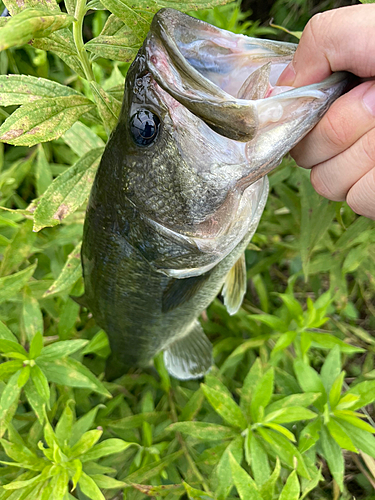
x=361, y=197
x=337, y=130
x=324, y=185
x=368, y=147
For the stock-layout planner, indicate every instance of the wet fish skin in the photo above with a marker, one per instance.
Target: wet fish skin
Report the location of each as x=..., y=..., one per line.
x=167, y=222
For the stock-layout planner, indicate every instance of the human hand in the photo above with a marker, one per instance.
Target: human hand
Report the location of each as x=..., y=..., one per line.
x=340, y=150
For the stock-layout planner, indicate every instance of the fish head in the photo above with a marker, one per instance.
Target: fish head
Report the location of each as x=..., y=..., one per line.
x=202, y=123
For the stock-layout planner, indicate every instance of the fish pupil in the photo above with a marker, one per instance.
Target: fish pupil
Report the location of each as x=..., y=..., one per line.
x=144, y=126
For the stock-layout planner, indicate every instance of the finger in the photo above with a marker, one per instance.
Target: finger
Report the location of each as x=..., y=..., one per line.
x=361, y=197
x=334, y=178
x=336, y=40
x=348, y=119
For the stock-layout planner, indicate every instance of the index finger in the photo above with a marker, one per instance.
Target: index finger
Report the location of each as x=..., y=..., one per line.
x=336, y=40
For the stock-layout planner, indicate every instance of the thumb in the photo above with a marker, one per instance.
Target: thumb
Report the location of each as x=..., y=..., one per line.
x=336, y=40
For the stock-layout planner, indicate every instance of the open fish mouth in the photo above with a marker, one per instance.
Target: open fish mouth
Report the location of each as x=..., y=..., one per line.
x=228, y=80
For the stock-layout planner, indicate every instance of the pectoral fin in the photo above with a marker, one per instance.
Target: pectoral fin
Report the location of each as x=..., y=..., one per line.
x=189, y=357
x=234, y=287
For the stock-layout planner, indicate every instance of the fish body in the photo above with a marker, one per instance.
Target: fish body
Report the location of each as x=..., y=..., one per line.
x=182, y=185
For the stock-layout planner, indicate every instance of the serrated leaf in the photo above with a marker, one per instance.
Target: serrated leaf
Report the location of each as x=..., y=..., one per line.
x=81, y=139
x=203, y=430
x=10, y=285
x=43, y=120
x=70, y=273
x=225, y=406
x=70, y=372
x=68, y=191
x=109, y=108
x=137, y=21
x=246, y=487
x=32, y=23
x=116, y=48
x=24, y=89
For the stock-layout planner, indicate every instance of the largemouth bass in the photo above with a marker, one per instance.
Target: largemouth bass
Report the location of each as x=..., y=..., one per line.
x=182, y=185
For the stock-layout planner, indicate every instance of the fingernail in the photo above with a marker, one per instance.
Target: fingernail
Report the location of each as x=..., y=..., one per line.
x=369, y=99
x=288, y=76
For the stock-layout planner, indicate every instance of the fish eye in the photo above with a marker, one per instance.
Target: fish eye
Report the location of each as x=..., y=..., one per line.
x=144, y=126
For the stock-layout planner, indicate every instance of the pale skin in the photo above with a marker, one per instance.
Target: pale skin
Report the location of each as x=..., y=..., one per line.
x=340, y=150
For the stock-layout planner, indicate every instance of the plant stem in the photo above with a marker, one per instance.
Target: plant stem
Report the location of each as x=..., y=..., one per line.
x=78, y=39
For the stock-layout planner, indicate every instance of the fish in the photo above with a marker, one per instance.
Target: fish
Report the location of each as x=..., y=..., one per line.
x=182, y=185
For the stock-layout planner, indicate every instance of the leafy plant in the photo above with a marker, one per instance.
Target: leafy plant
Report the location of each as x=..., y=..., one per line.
x=283, y=428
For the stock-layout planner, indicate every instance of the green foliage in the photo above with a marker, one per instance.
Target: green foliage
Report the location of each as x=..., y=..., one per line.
x=291, y=398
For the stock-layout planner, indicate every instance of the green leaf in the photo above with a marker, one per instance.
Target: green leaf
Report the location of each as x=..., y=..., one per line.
x=225, y=406
x=279, y=428
x=85, y=443
x=24, y=89
x=70, y=273
x=68, y=191
x=351, y=418
x=71, y=373
x=291, y=489
x=259, y=462
x=204, y=430
x=292, y=304
x=362, y=439
x=268, y=488
x=43, y=174
x=285, y=450
x=43, y=120
x=283, y=342
x=106, y=482
x=61, y=349
x=31, y=23
x=109, y=108
x=10, y=285
x=328, y=341
x=223, y=469
x=24, y=376
x=83, y=424
x=41, y=383
x=117, y=48
x=107, y=447
x=99, y=345
x=137, y=21
x=305, y=399
x=59, y=485
x=9, y=367
x=6, y=334
x=134, y=421
x=274, y=322
x=9, y=397
x=195, y=494
x=366, y=391
x=308, y=378
x=193, y=406
x=340, y=436
x=20, y=453
x=309, y=435
x=152, y=469
x=81, y=139
x=246, y=486
x=36, y=401
x=89, y=487
x=36, y=345
x=11, y=346
x=335, y=392
x=32, y=317
x=333, y=455
x=249, y=384
x=19, y=249
x=262, y=395
x=290, y=414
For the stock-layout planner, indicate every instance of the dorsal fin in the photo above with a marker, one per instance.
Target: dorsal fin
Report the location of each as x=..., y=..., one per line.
x=234, y=287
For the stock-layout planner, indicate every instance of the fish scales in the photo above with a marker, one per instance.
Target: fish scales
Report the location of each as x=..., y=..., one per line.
x=182, y=185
